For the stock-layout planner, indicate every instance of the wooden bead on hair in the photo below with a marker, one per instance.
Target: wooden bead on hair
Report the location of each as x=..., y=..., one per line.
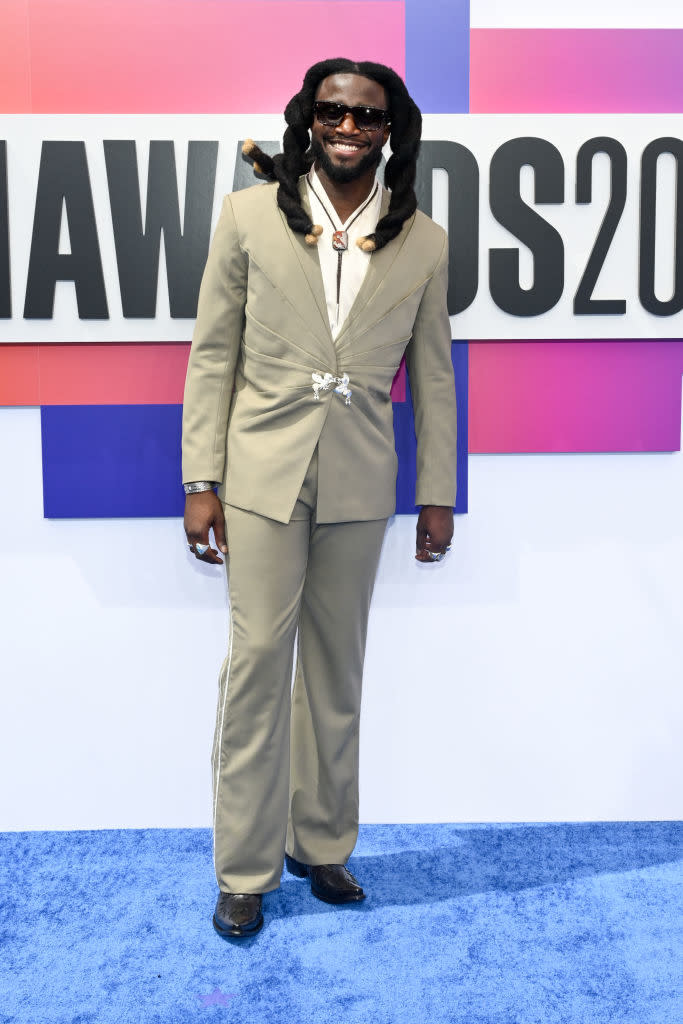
x=312, y=237
x=261, y=162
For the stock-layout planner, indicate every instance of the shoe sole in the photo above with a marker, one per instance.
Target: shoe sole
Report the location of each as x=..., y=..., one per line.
x=338, y=899
x=239, y=931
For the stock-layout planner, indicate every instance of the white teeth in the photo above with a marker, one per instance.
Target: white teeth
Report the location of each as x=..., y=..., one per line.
x=346, y=148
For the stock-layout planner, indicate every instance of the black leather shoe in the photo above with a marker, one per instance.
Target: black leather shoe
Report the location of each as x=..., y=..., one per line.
x=238, y=914
x=332, y=883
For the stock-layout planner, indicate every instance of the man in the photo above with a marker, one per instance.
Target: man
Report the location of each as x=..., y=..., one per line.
x=313, y=290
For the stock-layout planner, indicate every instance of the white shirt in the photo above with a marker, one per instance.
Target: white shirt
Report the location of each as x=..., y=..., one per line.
x=354, y=261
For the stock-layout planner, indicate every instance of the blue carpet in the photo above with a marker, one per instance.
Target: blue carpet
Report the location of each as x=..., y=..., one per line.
x=469, y=924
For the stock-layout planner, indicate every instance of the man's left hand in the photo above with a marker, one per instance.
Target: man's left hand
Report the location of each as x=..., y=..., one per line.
x=434, y=532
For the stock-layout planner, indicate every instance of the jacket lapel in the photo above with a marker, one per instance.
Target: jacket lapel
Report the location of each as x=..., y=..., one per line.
x=314, y=304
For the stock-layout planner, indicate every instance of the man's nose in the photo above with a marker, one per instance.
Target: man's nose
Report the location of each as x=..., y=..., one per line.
x=348, y=125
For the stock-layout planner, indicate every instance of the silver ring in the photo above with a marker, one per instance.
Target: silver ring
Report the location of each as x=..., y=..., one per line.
x=201, y=549
x=438, y=556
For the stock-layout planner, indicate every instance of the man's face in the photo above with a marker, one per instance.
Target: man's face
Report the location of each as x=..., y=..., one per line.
x=345, y=153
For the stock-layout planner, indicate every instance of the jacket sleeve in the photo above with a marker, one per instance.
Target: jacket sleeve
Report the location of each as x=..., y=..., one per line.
x=214, y=353
x=432, y=388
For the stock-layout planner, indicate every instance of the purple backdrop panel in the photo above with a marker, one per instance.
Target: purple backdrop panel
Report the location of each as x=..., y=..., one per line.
x=111, y=460
x=404, y=430
x=438, y=54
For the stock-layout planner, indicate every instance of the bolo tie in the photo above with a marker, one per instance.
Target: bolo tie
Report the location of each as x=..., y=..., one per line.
x=340, y=236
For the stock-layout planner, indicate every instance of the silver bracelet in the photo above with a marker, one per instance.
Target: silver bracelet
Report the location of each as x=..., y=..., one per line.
x=198, y=485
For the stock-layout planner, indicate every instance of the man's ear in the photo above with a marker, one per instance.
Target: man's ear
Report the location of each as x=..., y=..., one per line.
x=386, y=134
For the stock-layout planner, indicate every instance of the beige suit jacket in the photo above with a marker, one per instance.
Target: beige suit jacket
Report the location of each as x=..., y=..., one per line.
x=250, y=417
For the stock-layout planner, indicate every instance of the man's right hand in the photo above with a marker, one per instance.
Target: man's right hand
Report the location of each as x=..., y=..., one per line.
x=203, y=511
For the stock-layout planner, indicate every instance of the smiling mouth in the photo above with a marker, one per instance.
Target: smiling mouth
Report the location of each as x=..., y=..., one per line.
x=345, y=147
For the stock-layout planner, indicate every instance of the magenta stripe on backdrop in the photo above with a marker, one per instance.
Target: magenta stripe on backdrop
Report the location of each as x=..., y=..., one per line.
x=575, y=396
x=576, y=71
x=608, y=395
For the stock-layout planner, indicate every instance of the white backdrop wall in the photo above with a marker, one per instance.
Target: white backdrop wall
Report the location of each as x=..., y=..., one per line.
x=578, y=14
x=534, y=675
x=483, y=135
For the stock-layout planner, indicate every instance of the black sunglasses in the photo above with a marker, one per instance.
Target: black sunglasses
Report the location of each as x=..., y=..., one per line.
x=367, y=119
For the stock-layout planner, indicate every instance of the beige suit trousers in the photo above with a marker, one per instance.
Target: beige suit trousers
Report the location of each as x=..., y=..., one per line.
x=285, y=762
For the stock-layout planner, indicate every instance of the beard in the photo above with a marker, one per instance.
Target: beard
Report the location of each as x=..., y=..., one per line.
x=343, y=175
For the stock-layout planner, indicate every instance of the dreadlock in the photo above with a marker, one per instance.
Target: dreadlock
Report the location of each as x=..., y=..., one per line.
x=297, y=158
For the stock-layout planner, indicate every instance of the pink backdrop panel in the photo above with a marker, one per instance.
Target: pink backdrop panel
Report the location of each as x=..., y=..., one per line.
x=568, y=396
x=195, y=56
x=105, y=374
x=19, y=375
x=15, y=79
x=97, y=374
x=576, y=70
